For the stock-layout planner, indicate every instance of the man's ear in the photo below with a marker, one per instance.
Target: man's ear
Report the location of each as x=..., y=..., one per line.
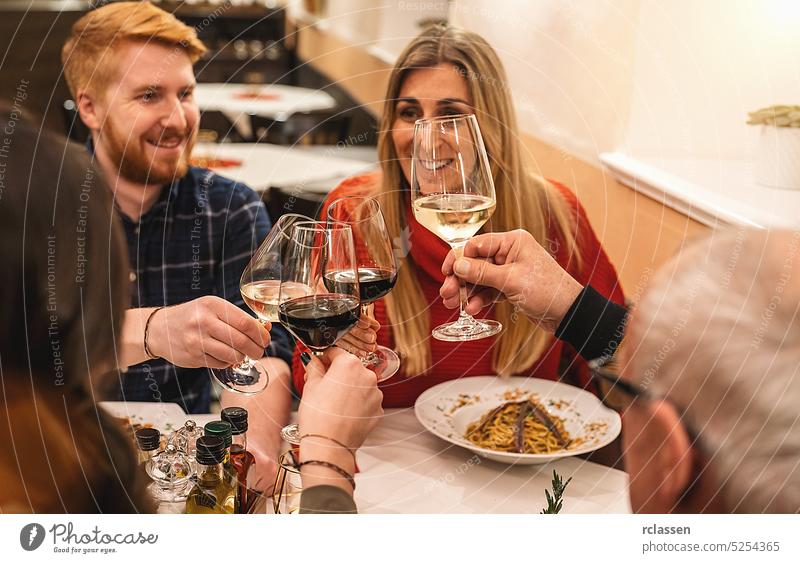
x=658, y=456
x=89, y=110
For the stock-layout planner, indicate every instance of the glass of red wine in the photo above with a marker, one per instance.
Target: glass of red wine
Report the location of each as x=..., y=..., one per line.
x=377, y=266
x=260, y=288
x=320, y=257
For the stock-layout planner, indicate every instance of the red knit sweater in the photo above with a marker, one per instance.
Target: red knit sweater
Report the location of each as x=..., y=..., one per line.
x=465, y=359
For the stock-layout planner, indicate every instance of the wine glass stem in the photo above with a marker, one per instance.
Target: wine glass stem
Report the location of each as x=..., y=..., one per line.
x=462, y=300
x=371, y=359
x=463, y=316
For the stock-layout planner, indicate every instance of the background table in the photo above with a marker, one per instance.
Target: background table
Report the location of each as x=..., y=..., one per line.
x=276, y=102
x=265, y=165
x=405, y=469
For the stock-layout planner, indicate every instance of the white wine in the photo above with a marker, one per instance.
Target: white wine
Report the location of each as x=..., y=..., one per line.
x=263, y=297
x=454, y=218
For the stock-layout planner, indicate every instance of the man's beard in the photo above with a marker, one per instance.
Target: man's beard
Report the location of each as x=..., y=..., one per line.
x=129, y=157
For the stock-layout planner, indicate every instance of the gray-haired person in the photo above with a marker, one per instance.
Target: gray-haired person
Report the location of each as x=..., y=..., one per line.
x=715, y=343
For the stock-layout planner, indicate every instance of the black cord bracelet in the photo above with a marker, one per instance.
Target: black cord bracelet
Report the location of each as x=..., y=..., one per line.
x=148, y=353
x=330, y=465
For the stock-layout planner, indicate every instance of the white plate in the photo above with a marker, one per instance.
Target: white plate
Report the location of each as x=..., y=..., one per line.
x=448, y=408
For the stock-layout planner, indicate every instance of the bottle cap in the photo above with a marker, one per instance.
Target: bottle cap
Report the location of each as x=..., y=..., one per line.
x=219, y=428
x=148, y=439
x=237, y=418
x=210, y=450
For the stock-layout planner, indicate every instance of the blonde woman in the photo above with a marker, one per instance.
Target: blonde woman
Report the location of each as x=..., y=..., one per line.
x=444, y=71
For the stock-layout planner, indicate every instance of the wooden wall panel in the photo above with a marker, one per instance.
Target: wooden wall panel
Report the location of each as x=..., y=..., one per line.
x=638, y=233
x=361, y=74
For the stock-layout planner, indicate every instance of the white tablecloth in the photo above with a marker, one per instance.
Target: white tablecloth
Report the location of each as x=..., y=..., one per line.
x=265, y=165
x=404, y=469
x=280, y=102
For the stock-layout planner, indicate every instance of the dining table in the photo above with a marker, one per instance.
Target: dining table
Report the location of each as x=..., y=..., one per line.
x=404, y=469
x=303, y=169
x=238, y=102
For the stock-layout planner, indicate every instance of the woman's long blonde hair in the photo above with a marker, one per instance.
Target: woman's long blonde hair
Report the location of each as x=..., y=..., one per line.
x=523, y=199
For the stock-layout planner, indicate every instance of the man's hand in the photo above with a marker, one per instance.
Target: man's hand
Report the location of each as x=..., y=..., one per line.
x=206, y=332
x=510, y=266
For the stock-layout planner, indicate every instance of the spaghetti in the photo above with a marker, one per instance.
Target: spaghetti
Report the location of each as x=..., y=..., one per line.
x=521, y=427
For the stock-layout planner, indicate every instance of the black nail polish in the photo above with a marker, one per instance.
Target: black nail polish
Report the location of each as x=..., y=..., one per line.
x=305, y=358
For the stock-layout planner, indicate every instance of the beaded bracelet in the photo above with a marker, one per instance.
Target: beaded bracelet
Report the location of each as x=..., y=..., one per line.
x=147, y=351
x=332, y=466
x=334, y=440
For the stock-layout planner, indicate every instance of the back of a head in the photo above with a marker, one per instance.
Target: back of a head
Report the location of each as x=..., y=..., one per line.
x=64, y=258
x=64, y=284
x=717, y=332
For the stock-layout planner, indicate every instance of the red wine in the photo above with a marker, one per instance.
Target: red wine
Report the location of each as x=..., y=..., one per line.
x=373, y=283
x=319, y=321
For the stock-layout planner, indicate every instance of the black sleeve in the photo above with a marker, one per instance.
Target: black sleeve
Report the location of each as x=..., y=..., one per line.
x=594, y=326
x=326, y=499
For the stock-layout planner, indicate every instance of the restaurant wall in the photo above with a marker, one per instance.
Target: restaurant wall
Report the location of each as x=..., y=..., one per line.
x=701, y=67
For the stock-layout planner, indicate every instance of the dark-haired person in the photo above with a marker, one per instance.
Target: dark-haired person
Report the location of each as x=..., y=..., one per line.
x=64, y=276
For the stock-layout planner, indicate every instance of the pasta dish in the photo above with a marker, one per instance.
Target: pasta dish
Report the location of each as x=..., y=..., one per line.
x=520, y=427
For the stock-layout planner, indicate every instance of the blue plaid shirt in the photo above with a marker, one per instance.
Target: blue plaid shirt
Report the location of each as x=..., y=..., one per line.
x=196, y=240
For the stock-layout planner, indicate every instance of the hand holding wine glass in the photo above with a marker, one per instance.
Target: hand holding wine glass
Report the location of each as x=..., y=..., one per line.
x=377, y=266
x=320, y=257
x=260, y=286
x=452, y=194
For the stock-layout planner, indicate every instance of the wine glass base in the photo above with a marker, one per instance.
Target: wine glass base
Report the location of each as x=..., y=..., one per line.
x=459, y=331
x=291, y=434
x=384, y=362
x=247, y=380
x=177, y=494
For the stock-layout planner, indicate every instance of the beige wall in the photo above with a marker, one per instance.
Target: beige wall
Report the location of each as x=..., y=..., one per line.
x=569, y=65
x=638, y=233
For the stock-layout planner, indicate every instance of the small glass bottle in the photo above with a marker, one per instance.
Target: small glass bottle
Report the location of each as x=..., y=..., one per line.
x=222, y=429
x=148, y=441
x=214, y=492
x=185, y=438
x=171, y=473
x=243, y=462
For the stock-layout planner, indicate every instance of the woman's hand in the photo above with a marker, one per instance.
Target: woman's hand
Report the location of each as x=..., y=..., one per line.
x=341, y=404
x=341, y=399
x=362, y=338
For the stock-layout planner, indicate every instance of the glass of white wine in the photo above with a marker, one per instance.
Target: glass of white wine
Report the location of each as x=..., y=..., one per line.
x=452, y=195
x=260, y=286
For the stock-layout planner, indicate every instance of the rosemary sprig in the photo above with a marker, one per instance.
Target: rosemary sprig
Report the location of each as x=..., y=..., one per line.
x=554, y=500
